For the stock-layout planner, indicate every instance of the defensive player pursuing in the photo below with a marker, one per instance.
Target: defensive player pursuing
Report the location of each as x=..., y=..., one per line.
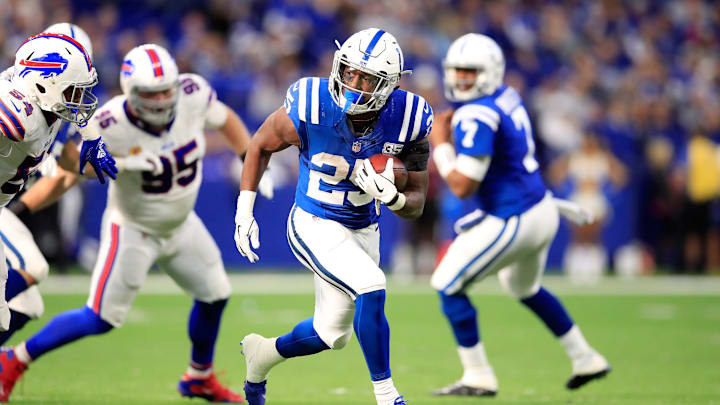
x=53, y=84
x=332, y=228
x=492, y=159
x=27, y=266
x=156, y=130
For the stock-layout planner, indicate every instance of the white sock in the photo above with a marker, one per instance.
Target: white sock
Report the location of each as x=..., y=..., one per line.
x=574, y=343
x=22, y=353
x=473, y=358
x=385, y=391
x=198, y=373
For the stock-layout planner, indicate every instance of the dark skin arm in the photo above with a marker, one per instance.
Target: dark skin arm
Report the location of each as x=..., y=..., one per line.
x=460, y=185
x=275, y=134
x=418, y=179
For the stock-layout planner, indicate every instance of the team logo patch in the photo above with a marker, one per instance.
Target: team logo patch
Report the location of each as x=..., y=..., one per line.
x=127, y=68
x=48, y=65
x=356, y=146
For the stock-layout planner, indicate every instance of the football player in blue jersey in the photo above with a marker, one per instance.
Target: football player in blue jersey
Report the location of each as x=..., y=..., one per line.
x=484, y=150
x=336, y=124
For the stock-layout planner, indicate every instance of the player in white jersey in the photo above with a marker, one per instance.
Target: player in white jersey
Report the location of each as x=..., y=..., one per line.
x=484, y=150
x=53, y=82
x=21, y=251
x=156, y=130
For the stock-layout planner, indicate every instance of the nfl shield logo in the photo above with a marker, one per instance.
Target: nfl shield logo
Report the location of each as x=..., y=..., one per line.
x=356, y=146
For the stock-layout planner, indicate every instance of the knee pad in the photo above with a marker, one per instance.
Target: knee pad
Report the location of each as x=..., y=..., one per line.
x=515, y=287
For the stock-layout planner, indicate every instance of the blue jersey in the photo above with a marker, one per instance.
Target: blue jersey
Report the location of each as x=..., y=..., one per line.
x=499, y=126
x=330, y=152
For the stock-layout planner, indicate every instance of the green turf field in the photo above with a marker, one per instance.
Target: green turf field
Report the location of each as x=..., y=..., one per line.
x=665, y=349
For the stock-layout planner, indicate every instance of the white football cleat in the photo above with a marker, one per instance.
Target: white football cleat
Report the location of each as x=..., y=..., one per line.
x=481, y=383
x=587, y=368
x=260, y=356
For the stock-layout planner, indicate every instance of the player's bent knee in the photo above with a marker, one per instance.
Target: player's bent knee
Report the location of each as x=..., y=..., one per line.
x=334, y=336
x=95, y=324
x=515, y=287
x=339, y=342
x=37, y=267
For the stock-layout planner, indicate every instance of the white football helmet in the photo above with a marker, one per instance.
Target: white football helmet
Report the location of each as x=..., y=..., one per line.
x=376, y=53
x=473, y=51
x=74, y=32
x=149, y=68
x=57, y=74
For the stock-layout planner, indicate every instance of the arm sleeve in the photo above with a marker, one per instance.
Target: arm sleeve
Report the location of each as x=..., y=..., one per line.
x=216, y=113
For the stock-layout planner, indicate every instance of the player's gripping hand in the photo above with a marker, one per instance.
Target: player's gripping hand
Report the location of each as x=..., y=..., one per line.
x=380, y=186
x=94, y=152
x=246, y=228
x=575, y=213
x=144, y=161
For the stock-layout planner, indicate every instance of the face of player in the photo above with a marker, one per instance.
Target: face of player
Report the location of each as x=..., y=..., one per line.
x=465, y=78
x=359, y=80
x=156, y=107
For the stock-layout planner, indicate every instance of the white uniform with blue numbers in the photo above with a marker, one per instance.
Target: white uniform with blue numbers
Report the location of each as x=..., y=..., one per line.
x=150, y=219
x=332, y=229
x=517, y=219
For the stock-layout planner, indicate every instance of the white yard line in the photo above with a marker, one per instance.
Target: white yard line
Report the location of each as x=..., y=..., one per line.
x=301, y=282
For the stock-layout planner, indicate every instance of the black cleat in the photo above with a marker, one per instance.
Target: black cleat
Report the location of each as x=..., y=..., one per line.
x=579, y=380
x=461, y=390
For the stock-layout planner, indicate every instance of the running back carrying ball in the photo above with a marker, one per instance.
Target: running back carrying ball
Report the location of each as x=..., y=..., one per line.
x=401, y=174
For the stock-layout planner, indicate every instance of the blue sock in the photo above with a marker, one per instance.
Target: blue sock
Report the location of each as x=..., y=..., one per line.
x=373, y=333
x=17, y=321
x=15, y=284
x=65, y=328
x=462, y=316
x=302, y=341
x=550, y=310
x=203, y=327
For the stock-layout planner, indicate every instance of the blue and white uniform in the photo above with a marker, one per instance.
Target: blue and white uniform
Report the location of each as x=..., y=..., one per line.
x=332, y=229
x=517, y=219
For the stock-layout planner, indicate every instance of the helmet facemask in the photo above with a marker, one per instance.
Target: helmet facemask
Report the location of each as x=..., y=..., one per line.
x=358, y=101
x=77, y=103
x=464, y=89
x=149, y=107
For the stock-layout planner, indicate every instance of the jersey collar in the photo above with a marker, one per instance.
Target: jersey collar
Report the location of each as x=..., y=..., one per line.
x=141, y=125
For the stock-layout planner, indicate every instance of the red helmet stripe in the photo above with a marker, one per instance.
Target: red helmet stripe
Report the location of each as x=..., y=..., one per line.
x=155, y=59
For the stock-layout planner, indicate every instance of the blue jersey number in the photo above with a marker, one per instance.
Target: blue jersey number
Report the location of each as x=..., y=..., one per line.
x=341, y=172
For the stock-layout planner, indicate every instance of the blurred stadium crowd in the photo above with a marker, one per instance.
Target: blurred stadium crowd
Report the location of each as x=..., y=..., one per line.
x=624, y=97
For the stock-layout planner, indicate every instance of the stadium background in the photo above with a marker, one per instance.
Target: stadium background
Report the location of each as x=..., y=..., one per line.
x=623, y=96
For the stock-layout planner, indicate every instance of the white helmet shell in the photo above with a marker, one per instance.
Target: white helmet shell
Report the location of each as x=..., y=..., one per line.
x=376, y=53
x=74, y=32
x=473, y=51
x=57, y=73
x=150, y=68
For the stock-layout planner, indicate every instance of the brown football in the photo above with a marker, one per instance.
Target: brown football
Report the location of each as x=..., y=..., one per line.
x=401, y=174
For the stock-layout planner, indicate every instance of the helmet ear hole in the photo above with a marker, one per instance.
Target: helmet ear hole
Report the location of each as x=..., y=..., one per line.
x=40, y=88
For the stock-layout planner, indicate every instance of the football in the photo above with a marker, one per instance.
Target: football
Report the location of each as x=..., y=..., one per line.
x=401, y=174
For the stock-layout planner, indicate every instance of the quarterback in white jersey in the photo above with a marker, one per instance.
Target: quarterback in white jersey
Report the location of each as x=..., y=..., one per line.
x=156, y=131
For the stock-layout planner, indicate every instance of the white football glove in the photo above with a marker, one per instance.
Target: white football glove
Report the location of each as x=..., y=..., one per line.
x=380, y=186
x=246, y=228
x=143, y=161
x=574, y=212
x=266, y=187
x=48, y=167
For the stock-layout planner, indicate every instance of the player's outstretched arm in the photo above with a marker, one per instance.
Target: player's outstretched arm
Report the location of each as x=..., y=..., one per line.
x=46, y=191
x=275, y=134
x=235, y=131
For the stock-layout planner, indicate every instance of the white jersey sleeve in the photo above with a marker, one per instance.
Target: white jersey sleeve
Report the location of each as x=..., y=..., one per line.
x=197, y=91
